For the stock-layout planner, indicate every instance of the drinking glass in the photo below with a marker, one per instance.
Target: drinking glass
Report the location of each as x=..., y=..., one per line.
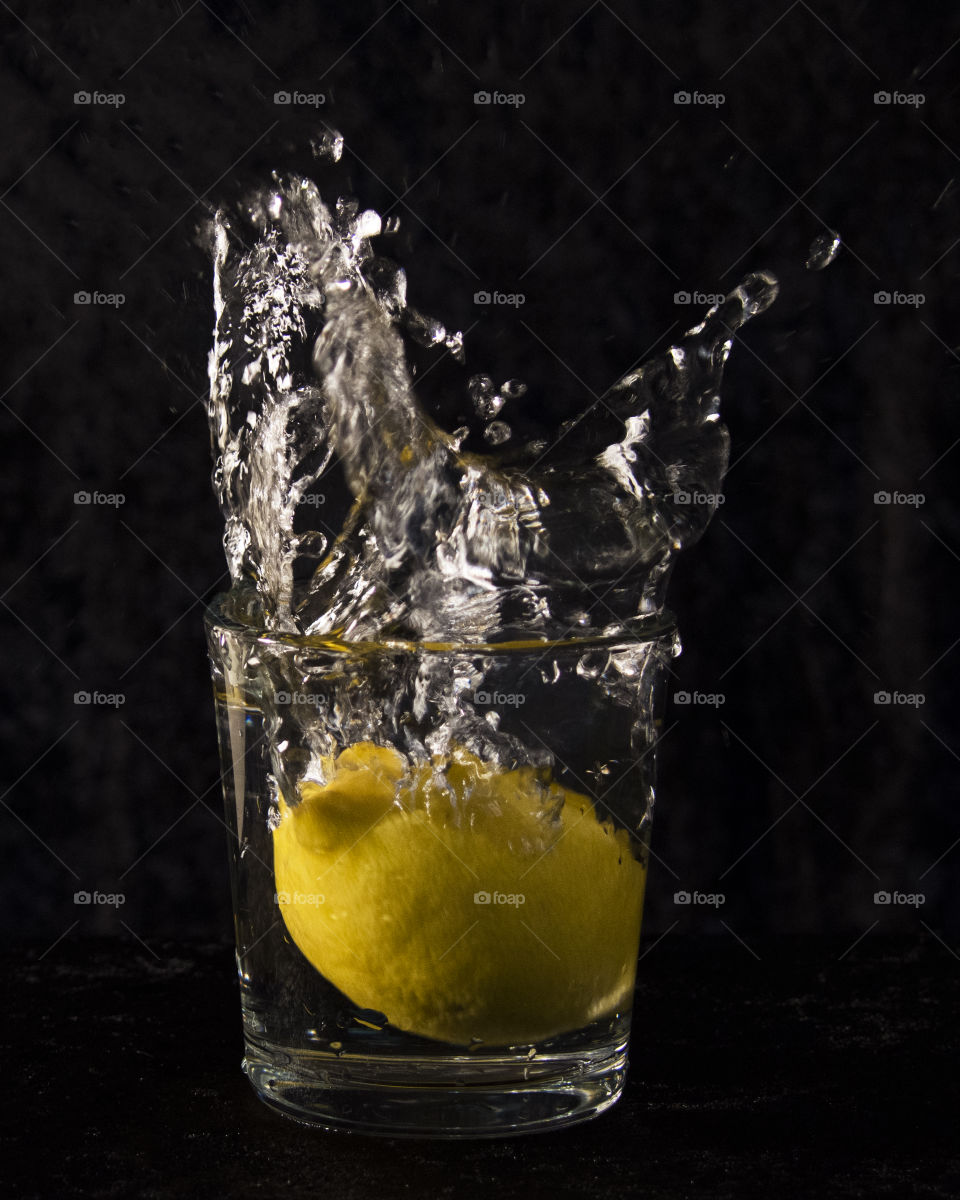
x=438, y=855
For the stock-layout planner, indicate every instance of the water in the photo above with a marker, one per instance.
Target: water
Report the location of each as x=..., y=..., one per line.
x=438, y=676
x=457, y=955
x=353, y=513
x=823, y=250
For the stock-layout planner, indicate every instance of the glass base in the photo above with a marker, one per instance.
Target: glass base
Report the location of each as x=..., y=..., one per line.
x=456, y=1098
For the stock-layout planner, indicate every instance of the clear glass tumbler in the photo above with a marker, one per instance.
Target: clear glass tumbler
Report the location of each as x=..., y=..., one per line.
x=438, y=856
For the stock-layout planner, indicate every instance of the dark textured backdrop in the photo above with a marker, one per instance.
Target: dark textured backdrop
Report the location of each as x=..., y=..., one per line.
x=599, y=199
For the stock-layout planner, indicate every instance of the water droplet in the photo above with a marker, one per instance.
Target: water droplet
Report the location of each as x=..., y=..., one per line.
x=369, y=223
x=551, y=674
x=347, y=210
x=479, y=387
x=591, y=664
x=489, y=406
x=327, y=146
x=391, y=225
x=513, y=389
x=823, y=250
x=497, y=432
x=460, y=435
x=391, y=287
x=423, y=329
x=757, y=292
x=454, y=344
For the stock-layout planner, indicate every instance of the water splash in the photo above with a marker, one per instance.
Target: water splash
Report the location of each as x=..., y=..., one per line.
x=353, y=513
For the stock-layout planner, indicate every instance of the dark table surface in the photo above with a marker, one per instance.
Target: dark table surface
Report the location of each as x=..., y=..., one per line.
x=811, y=1069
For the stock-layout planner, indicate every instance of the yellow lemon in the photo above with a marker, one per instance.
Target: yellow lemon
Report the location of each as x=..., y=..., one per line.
x=465, y=903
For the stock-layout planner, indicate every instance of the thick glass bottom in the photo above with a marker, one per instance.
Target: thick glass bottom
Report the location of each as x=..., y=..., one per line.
x=456, y=1097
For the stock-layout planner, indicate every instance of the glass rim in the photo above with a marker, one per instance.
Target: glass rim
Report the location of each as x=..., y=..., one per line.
x=651, y=628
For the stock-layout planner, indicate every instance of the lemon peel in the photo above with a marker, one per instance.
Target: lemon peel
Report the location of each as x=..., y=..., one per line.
x=465, y=902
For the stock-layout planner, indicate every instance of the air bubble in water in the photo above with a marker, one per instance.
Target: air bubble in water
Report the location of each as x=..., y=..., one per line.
x=591, y=664
x=479, y=387
x=497, y=432
x=489, y=406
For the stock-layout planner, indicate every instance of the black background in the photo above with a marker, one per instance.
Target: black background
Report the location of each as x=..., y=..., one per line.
x=599, y=198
